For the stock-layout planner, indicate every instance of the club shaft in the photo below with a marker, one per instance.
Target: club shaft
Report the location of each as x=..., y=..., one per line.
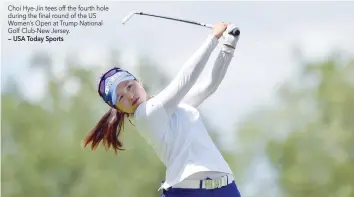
x=175, y=19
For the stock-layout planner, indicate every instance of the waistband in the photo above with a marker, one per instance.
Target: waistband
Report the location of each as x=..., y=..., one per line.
x=206, y=184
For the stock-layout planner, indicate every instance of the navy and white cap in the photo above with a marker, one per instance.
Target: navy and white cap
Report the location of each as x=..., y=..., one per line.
x=108, y=89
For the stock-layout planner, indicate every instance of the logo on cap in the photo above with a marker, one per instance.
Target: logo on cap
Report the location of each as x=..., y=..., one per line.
x=110, y=81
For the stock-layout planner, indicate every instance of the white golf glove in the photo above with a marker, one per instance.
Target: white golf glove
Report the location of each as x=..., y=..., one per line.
x=231, y=36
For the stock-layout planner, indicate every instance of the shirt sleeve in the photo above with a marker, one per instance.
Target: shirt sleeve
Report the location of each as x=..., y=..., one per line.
x=203, y=90
x=173, y=94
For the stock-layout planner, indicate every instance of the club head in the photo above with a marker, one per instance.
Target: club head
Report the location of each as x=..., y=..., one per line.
x=126, y=18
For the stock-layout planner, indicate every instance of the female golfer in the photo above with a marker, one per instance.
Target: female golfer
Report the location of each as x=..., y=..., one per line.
x=170, y=121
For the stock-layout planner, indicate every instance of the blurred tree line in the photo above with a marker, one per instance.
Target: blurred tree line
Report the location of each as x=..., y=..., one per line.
x=307, y=137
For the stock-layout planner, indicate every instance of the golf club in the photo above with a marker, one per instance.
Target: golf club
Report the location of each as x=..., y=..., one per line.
x=125, y=19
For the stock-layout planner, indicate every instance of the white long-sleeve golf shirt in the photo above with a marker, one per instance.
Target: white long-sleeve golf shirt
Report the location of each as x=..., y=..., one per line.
x=172, y=124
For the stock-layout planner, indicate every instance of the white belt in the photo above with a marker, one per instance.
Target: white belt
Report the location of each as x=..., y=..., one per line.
x=205, y=184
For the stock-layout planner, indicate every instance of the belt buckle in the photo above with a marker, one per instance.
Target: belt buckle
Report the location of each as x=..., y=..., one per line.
x=213, y=184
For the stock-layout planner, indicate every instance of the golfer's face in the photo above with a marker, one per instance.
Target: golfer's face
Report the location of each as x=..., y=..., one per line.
x=130, y=94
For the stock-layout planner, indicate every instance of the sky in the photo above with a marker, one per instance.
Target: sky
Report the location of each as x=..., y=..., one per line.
x=262, y=62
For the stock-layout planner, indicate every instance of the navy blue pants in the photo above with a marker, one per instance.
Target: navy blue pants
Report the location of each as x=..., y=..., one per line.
x=226, y=191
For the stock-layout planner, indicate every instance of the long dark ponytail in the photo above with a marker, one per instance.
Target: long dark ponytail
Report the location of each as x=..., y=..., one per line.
x=107, y=131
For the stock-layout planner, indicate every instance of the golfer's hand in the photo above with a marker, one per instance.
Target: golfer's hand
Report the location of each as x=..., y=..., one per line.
x=219, y=28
